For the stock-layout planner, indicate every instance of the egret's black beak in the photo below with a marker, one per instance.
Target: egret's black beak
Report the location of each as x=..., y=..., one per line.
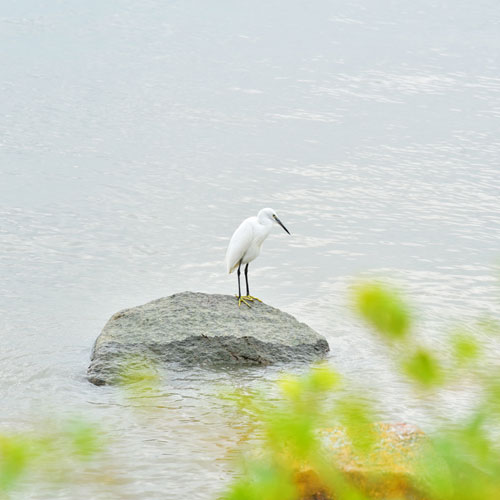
x=281, y=224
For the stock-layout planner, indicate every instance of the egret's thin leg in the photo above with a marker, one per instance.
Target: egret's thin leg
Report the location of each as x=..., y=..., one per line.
x=248, y=296
x=239, y=286
x=246, y=280
x=240, y=298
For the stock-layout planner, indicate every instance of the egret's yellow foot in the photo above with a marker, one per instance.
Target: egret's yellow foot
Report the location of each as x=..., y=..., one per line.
x=242, y=299
x=250, y=297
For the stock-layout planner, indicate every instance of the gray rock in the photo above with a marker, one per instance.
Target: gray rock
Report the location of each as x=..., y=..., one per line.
x=201, y=329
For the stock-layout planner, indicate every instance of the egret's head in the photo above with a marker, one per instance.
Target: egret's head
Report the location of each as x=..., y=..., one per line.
x=270, y=214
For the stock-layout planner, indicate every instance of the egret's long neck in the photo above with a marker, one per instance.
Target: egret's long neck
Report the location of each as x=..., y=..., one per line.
x=262, y=231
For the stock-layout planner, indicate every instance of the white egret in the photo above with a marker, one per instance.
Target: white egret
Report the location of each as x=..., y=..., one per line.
x=245, y=245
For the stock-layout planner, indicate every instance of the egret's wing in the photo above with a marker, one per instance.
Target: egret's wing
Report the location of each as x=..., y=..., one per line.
x=239, y=244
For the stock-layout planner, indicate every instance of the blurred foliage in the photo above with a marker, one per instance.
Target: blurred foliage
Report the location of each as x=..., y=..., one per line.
x=56, y=453
x=288, y=427
x=460, y=460
x=384, y=310
x=51, y=455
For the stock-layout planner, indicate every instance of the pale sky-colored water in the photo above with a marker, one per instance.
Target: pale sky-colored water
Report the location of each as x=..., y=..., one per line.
x=135, y=136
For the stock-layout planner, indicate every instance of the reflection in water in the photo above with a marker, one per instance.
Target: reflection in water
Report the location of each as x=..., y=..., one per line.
x=133, y=140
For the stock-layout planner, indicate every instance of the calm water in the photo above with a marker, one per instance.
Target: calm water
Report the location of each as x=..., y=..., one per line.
x=134, y=137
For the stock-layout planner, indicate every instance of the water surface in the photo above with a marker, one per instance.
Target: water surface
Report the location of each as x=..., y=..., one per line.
x=135, y=137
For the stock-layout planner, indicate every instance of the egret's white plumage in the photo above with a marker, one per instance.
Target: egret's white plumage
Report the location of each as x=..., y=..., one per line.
x=247, y=240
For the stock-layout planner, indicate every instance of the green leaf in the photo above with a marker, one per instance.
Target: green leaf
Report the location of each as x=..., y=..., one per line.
x=465, y=348
x=384, y=310
x=423, y=368
x=15, y=455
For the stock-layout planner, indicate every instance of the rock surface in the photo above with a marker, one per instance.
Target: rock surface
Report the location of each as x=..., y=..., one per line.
x=201, y=329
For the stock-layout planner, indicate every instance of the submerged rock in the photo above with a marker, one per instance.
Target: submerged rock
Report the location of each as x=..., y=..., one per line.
x=201, y=329
x=388, y=470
